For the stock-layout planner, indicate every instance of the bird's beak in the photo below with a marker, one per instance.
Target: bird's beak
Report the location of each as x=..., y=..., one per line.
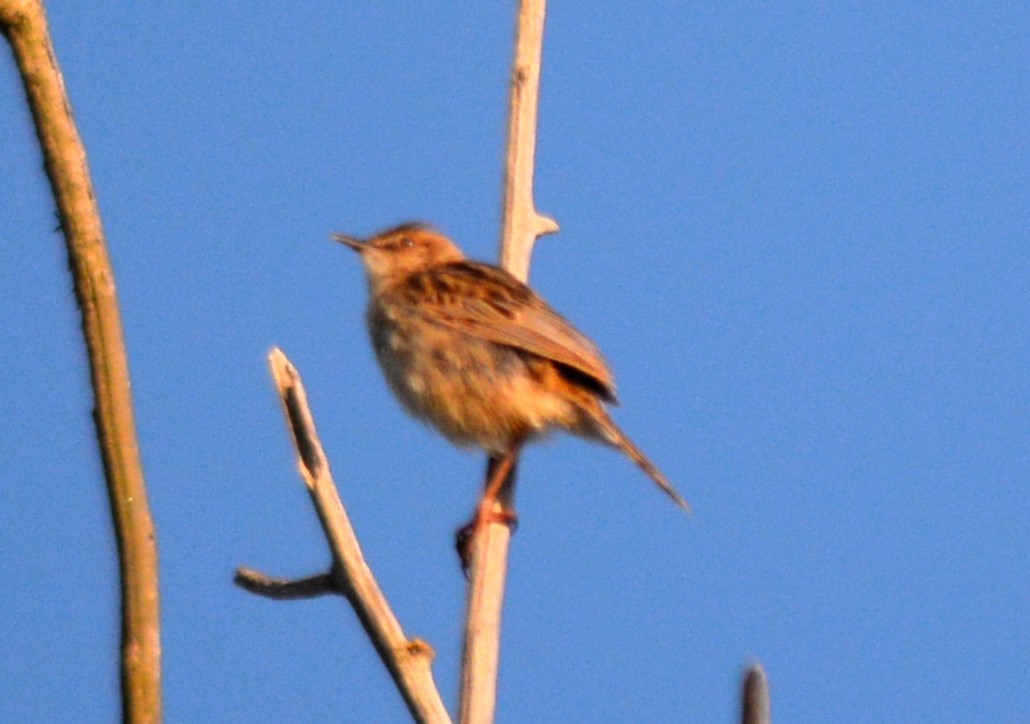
x=352, y=241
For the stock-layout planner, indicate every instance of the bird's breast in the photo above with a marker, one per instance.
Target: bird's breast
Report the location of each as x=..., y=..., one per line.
x=472, y=390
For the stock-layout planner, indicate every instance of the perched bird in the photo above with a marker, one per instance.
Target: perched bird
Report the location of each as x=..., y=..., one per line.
x=479, y=355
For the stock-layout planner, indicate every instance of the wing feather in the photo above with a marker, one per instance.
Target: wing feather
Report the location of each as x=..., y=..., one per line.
x=504, y=310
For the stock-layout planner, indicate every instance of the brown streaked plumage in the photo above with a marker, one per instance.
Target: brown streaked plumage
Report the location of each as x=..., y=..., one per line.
x=479, y=355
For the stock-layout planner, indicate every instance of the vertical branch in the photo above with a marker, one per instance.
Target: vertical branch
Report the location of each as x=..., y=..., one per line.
x=485, y=598
x=521, y=225
x=23, y=23
x=754, y=696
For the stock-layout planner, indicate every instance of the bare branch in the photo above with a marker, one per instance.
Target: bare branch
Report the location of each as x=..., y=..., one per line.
x=23, y=22
x=754, y=704
x=485, y=599
x=521, y=225
x=285, y=588
x=407, y=660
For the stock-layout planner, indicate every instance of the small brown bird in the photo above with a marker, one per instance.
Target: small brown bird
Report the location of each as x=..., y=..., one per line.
x=475, y=352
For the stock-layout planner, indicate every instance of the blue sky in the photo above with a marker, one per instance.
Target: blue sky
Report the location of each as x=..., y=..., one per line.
x=799, y=233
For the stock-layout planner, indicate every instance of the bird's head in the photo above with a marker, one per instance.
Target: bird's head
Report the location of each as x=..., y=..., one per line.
x=400, y=251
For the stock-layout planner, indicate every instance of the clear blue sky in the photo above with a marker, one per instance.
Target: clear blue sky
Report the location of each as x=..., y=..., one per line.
x=800, y=233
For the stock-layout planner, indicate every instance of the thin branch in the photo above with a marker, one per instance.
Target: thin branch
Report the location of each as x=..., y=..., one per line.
x=754, y=696
x=283, y=589
x=521, y=225
x=485, y=599
x=407, y=660
x=23, y=22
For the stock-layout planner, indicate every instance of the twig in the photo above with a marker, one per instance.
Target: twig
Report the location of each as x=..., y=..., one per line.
x=520, y=227
x=23, y=22
x=283, y=589
x=754, y=696
x=407, y=660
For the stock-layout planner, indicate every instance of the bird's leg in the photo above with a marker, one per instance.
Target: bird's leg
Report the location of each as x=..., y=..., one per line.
x=500, y=471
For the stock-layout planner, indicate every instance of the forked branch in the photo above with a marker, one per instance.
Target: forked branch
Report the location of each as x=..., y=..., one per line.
x=407, y=660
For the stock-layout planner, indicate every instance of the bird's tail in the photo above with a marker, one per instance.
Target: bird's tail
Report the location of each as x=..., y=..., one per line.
x=611, y=434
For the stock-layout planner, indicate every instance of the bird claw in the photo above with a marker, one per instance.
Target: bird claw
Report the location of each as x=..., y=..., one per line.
x=465, y=536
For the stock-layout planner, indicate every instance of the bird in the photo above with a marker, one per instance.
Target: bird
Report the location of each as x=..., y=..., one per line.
x=480, y=356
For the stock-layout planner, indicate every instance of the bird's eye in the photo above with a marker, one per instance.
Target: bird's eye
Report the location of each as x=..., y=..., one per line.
x=406, y=241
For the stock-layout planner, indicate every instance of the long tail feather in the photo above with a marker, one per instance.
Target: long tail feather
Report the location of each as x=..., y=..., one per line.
x=611, y=434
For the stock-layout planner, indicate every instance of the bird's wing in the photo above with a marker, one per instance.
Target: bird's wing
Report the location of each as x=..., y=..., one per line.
x=488, y=302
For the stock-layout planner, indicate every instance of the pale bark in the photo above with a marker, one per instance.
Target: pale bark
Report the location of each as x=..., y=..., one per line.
x=521, y=225
x=407, y=659
x=23, y=23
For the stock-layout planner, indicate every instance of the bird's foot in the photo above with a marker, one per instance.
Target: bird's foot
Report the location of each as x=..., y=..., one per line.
x=465, y=537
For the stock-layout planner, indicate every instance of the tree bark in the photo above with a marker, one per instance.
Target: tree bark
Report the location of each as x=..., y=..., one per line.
x=23, y=23
x=521, y=225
